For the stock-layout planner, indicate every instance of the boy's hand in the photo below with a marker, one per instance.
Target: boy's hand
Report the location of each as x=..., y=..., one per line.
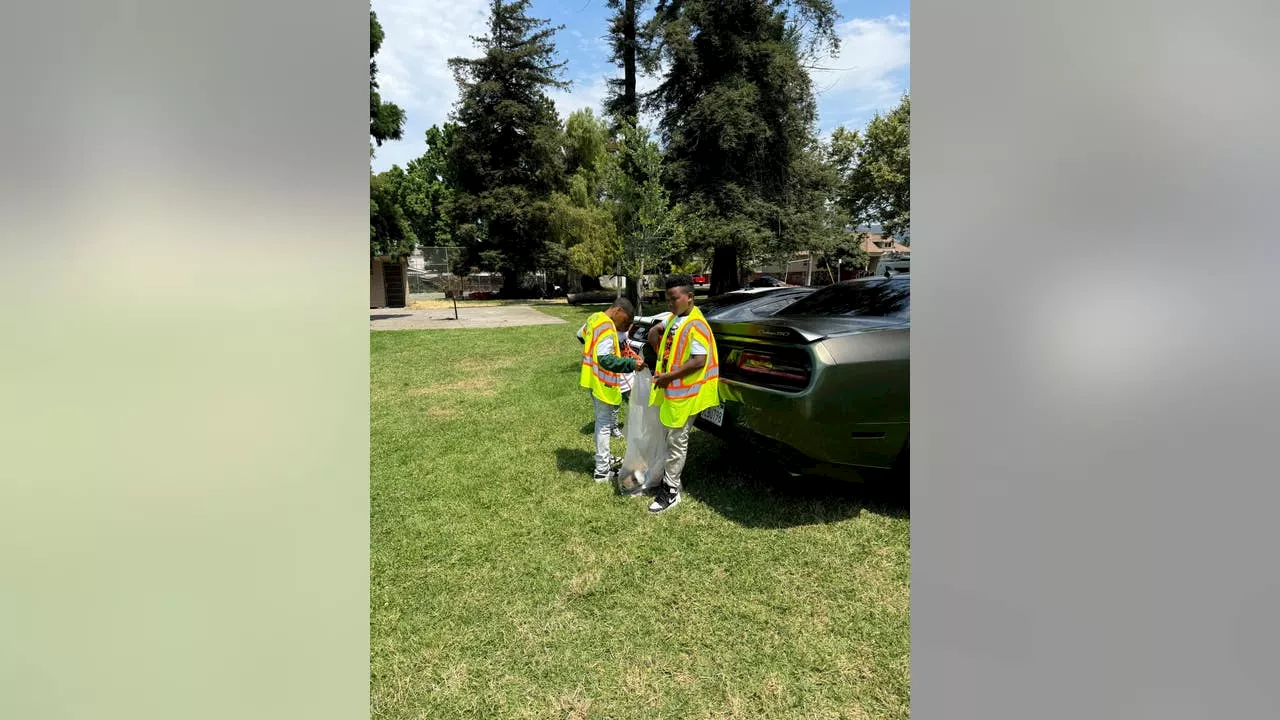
x=639, y=363
x=662, y=380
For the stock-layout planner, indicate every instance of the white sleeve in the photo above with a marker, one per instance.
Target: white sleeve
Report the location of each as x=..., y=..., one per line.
x=582, y=330
x=605, y=346
x=696, y=348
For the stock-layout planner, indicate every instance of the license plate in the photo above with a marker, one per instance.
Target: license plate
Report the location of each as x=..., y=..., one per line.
x=714, y=415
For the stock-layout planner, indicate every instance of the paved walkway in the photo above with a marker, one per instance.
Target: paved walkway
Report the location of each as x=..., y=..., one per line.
x=473, y=317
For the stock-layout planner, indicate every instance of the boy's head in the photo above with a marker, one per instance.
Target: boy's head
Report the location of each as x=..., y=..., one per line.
x=680, y=293
x=621, y=312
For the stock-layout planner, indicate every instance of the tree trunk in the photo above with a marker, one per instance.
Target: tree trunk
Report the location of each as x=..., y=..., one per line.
x=632, y=292
x=724, y=270
x=629, y=63
x=510, y=282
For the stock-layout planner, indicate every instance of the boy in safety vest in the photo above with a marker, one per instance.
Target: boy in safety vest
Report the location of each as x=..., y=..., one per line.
x=627, y=379
x=602, y=369
x=686, y=381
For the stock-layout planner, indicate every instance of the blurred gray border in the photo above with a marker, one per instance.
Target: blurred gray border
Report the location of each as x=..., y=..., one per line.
x=1096, y=360
x=184, y=375
x=1096, y=367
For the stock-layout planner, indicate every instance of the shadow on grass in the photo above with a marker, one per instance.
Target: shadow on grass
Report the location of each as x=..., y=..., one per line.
x=753, y=491
x=575, y=460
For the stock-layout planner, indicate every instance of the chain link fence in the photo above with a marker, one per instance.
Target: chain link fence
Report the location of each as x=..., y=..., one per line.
x=431, y=276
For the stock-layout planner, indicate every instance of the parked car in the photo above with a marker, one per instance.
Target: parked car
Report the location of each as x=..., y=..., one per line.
x=766, y=281
x=737, y=306
x=895, y=266
x=825, y=381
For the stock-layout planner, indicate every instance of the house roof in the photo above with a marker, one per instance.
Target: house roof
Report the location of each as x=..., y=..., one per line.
x=869, y=244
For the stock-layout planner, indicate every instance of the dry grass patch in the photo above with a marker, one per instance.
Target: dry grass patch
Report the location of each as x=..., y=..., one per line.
x=583, y=584
x=573, y=707
x=476, y=386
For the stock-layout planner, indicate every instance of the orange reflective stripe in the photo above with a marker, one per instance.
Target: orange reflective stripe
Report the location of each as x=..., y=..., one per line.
x=682, y=340
x=678, y=391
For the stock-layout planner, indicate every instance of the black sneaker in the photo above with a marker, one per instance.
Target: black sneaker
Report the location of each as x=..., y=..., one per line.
x=602, y=478
x=666, y=498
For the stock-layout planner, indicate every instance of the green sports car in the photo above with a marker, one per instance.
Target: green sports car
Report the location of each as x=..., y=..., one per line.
x=825, y=382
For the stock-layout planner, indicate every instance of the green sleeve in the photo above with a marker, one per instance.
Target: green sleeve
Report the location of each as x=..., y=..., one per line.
x=617, y=363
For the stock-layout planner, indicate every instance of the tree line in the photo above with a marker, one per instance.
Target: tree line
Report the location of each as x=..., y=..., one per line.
x=733, y=173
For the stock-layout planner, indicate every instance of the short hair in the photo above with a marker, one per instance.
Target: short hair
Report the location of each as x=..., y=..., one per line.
x=625, y=306
x=684, y=282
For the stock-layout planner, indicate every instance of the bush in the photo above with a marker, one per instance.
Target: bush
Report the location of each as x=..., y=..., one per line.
x=592, y=297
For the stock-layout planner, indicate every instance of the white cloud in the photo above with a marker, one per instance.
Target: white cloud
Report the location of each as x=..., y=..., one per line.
x=586, y=92
x=413, y=64
x=866, y=74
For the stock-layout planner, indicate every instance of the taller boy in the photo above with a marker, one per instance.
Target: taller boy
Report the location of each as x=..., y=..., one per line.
x=688, y=374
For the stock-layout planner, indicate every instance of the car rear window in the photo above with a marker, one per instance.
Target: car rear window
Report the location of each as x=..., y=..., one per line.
x=720, y=302
x=869, y=298
x=782, y=298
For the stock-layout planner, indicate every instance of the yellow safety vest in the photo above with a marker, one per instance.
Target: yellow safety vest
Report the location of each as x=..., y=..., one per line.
x=693, y=393
x=605, y=385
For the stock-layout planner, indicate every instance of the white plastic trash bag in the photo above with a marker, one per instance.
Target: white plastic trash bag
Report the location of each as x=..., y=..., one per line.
x=646, y=440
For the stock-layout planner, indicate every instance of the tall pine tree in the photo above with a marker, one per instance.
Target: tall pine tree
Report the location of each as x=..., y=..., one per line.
x=505, y=158
x=632, y=49
x=630, y=52
x=738, y=116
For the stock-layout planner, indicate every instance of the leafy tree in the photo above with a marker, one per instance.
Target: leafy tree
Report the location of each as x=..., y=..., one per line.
x=648, y=227
x=504, y=159
x=430, y=193
x=581, y=220
x=390, y=231
x=738, y=117
x=386, y=120
x=875, y=170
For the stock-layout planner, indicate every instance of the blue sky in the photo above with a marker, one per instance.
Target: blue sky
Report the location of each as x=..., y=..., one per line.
x=870, y=73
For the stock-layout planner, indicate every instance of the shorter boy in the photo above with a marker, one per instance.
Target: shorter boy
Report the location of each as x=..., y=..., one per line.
x=602, y=368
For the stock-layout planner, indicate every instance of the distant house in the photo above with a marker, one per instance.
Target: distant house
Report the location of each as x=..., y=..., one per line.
x=879, y=247
x=388, y=282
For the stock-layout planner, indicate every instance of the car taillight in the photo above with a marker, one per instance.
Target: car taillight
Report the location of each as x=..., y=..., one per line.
x=763, y=364
x=777, y=368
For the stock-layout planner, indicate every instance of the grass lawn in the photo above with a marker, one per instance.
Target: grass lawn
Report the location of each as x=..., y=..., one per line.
x=506, y=584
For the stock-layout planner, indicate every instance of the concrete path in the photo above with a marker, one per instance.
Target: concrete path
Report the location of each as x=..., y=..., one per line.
x=469, y=318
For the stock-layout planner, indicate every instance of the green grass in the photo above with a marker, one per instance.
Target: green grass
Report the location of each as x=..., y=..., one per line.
x=506, y=584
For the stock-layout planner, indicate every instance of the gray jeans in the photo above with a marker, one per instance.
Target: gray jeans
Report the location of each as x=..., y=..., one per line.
x=677, y=453
x=604, y=428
